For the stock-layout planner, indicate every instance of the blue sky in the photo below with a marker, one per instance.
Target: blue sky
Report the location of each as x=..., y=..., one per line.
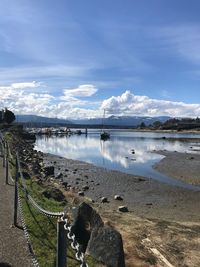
x=73, y=58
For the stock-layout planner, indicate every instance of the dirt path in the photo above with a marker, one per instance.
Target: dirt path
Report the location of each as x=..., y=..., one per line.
x=13, y=246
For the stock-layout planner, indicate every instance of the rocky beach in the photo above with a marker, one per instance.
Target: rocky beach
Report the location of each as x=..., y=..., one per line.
x=159, y=215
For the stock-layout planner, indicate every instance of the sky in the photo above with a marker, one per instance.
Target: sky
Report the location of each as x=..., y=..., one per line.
x=74, y=58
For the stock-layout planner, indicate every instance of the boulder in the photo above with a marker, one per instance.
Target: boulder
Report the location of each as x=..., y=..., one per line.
x=101, y=241
x=54, y=193
x=105, y=244
x=85, y=219
x=49, y=170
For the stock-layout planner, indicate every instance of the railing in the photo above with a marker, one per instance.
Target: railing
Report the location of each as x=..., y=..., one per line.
x=64, y=229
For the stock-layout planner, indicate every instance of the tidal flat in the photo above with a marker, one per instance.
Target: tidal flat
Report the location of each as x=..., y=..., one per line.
x=161, y=216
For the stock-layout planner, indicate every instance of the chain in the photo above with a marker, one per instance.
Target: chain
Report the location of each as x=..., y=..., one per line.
x=74, y=244
x=34, y=260
x=43, y=211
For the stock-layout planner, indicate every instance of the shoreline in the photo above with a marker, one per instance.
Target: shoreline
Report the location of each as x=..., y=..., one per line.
x=181, y=166
x=160, y=216
x=143, y=196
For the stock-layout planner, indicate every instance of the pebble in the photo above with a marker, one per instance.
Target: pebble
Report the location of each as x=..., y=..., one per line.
x=118, y=197
x=123, y=208
x=85, y=187
x=81, y=193
x=104, y=200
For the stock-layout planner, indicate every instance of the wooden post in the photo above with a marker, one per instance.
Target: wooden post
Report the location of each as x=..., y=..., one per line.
x=4, y=155
x=16, y=193
x=61, y=260
x=7, y=170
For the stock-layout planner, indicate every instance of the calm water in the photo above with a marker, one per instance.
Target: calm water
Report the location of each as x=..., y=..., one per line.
x=116, y=153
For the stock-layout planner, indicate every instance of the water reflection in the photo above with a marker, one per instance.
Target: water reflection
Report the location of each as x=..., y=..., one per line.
x=117, y=153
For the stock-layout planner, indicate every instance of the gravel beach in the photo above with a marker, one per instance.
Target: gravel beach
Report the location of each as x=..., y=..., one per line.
x=143, y=196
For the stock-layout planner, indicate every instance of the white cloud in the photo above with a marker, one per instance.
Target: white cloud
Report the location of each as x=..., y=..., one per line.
x=24, y=85
x=36, y=101
x=84, y=90
x=130, y=104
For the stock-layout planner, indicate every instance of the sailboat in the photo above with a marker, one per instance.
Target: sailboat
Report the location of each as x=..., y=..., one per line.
x=104, y=135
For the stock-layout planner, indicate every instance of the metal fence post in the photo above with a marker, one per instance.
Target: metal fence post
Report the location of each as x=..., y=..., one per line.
x=61, y=260
x=16, y=193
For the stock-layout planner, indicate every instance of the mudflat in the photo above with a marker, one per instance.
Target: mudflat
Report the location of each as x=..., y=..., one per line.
x=161, y=216
x=182, y=166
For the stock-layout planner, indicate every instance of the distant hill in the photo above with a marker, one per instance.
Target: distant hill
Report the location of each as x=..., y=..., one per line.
x=121, y=121
x=40, y=120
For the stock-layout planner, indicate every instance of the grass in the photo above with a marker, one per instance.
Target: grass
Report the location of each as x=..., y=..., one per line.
x=43, y=229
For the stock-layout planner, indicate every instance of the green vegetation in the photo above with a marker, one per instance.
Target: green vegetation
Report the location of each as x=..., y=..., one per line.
x=43, y=229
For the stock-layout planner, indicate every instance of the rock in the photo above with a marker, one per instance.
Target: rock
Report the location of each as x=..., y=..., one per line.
x=104, y=200
x=141, y=180
x=85, y=216
x=26, y=175
x=49, y=170
x=118, y=197
x=123, y=208
x=54, y=193
x=101, y=241
x=59, y=175
x=85, y=187
x=81, y=193
x=149, y=204
x=65, y=184
x=105, y=244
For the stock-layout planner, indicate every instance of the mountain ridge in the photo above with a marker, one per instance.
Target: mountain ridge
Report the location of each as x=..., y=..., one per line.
x=111, y=120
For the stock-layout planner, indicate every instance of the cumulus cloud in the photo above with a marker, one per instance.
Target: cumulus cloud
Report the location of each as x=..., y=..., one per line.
x=32, y=98
x=38, y=102
x=84, y=90
x=130, y=104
